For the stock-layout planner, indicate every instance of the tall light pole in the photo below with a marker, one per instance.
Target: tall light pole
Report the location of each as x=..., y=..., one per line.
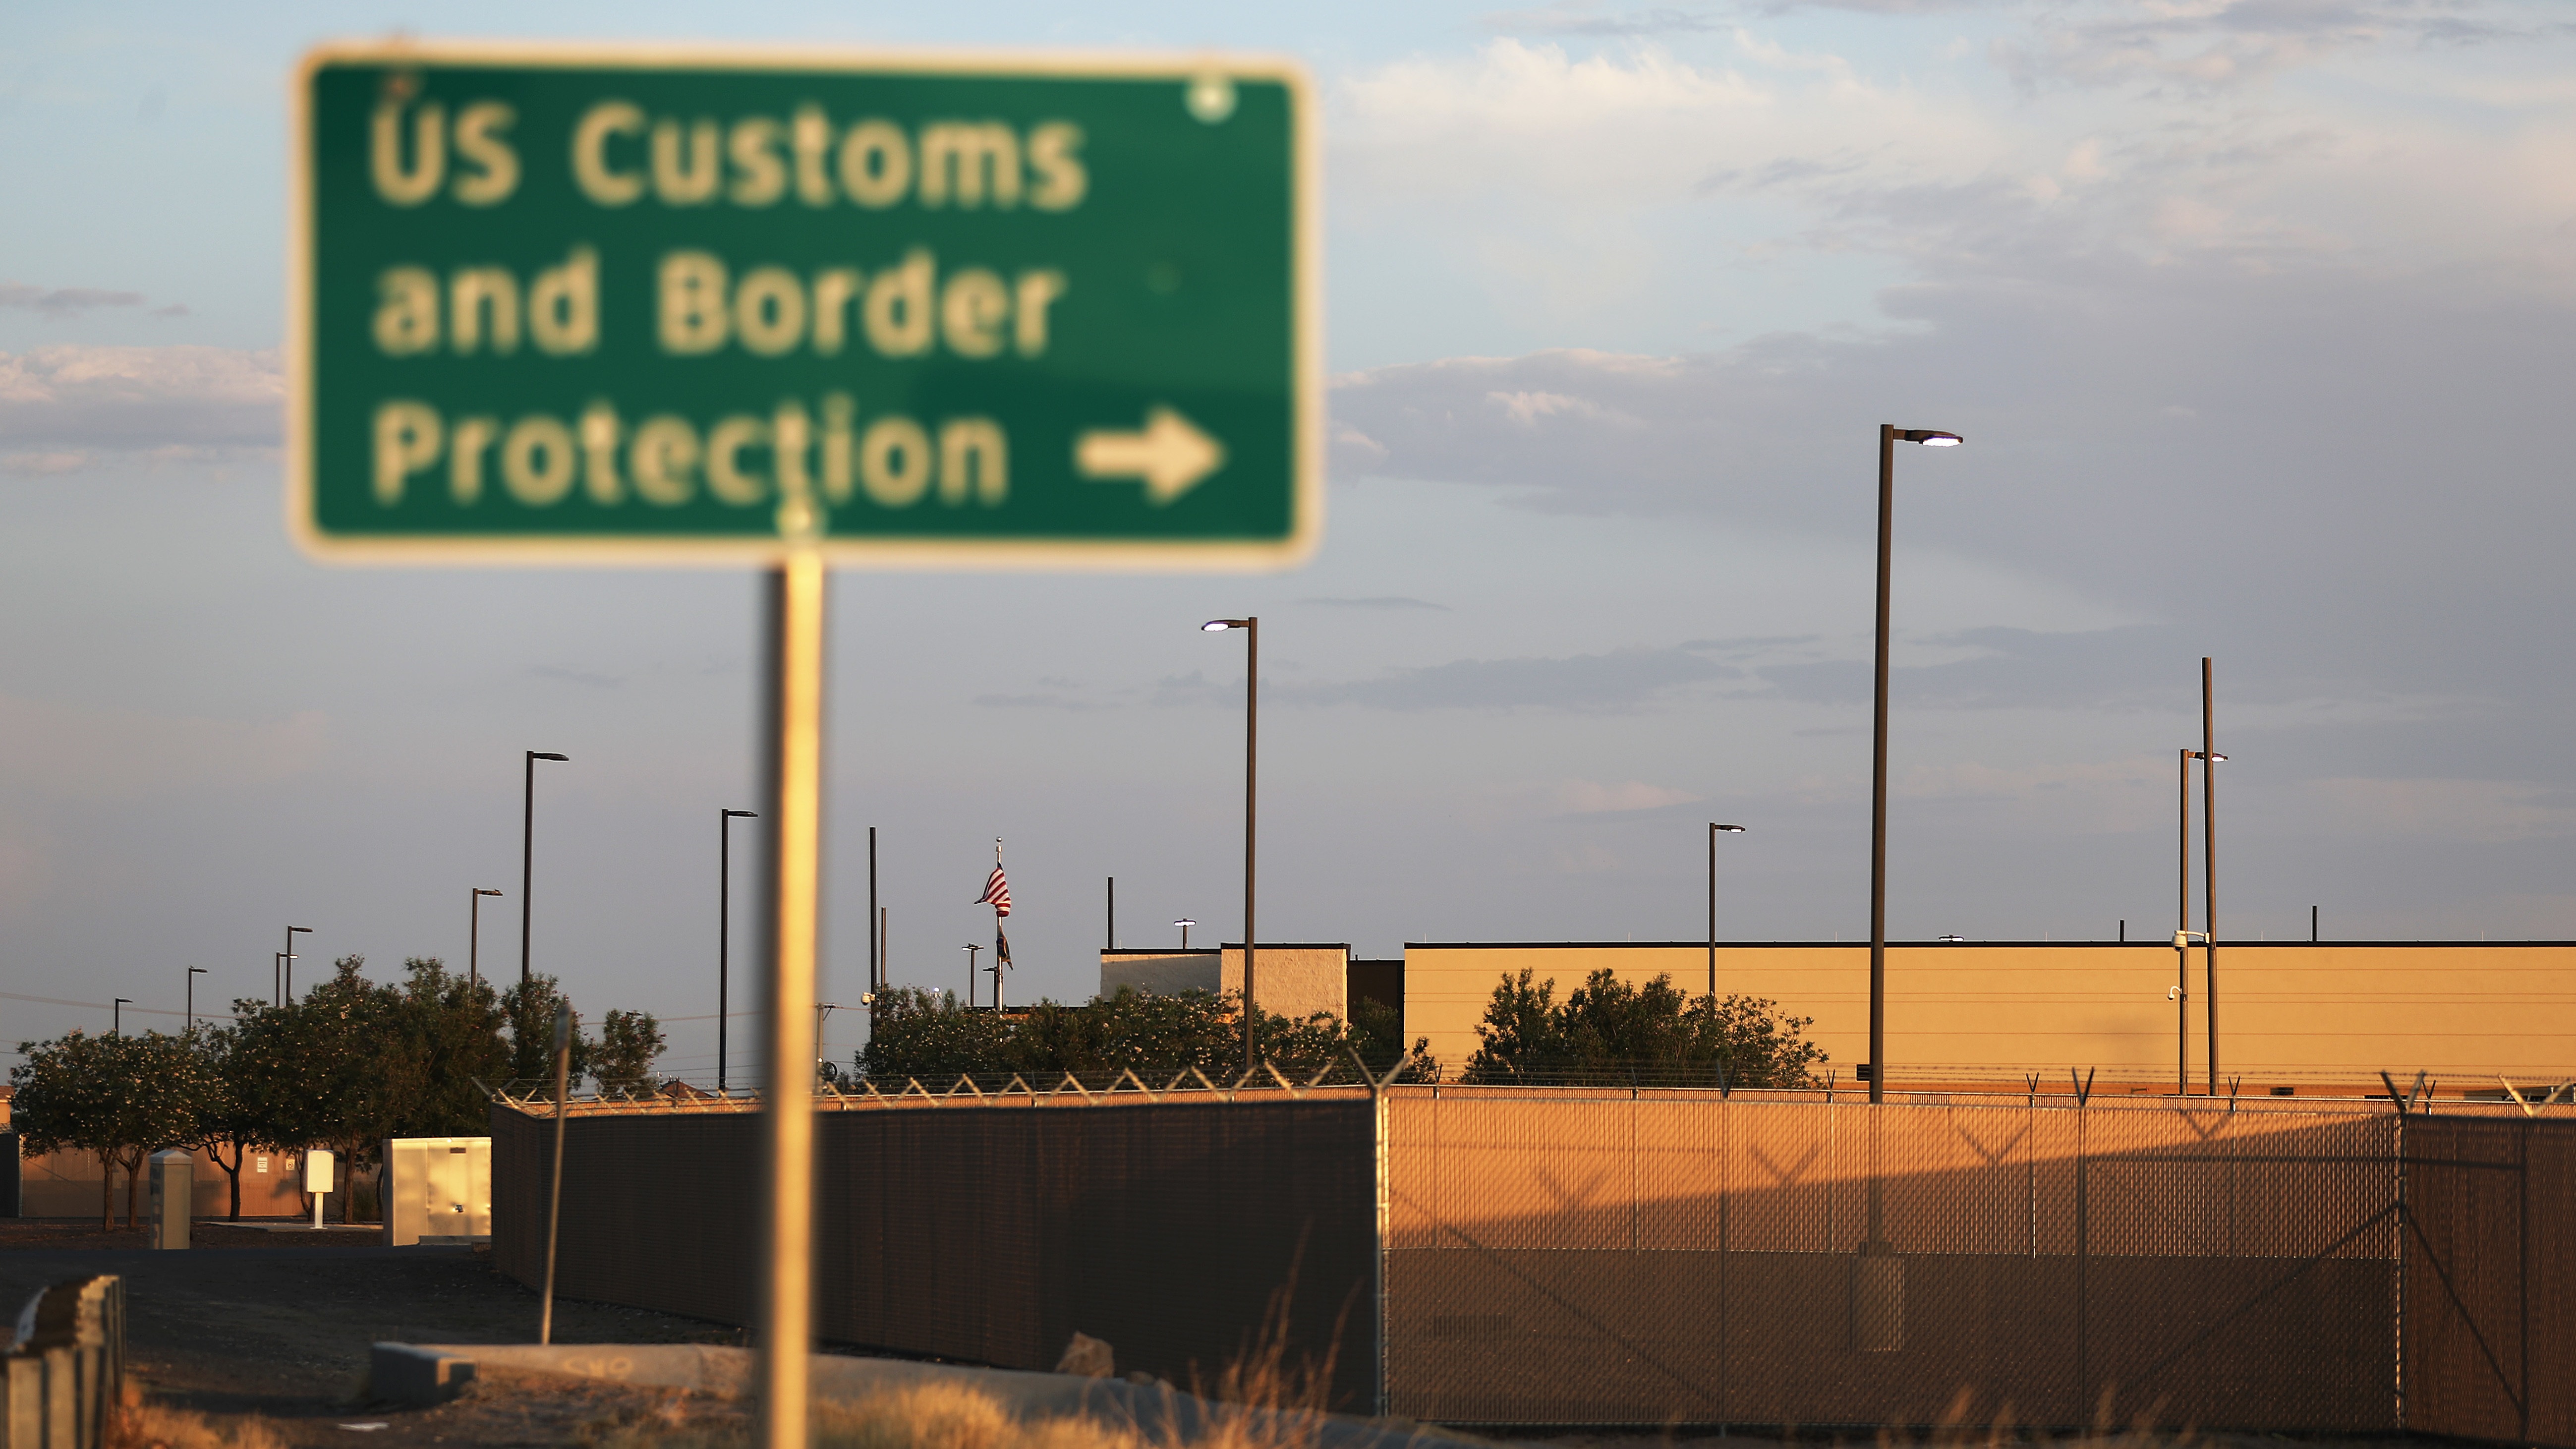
x=286, y=962
x=724, y=922
x=116, y=1015
x=1714, y=831
x=528, y=854
x=193, y=973
x=970, y=948
x=1251, y=627
x=474, y=937
x=2184, y=935
x=1888, y=437
x=1185, y=923
x=2209, y=756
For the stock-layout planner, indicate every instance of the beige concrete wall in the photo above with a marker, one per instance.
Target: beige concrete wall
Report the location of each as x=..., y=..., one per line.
x=1294, y=981
x=65, y=1185
x=2288, y=1013
x=1159, y=973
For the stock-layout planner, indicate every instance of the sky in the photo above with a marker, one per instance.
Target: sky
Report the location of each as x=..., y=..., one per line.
x=2255, y=315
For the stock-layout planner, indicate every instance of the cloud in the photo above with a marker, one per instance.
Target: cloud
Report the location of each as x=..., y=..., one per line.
x=1584, y=17
x=1592, y=797
x=139, y=399
x=129, y=754
x=1049, y=700
x=1383, y=601
x=1615, y=682
x=2450, y=810
x=2123, y=668
x=2215, y=45
x=64, y=301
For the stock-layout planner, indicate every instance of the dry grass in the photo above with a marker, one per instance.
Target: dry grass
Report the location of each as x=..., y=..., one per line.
x=149, y=1426
x=956, y=1416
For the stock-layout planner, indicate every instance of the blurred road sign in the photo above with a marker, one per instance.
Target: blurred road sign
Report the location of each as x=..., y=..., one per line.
x=558, y=302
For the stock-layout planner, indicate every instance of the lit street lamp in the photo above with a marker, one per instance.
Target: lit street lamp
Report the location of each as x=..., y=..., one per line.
x=724, y=926
x=528, y=854
x=1251, y=627
x=474, y=937
x=1185, y=923
x=1714, y=831
x=1888, y=438
x=1879, y=1285
x=193, y=973
x=2184, y=935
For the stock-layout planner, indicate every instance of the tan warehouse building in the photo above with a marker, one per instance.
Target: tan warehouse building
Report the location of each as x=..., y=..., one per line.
x=2322, y=1017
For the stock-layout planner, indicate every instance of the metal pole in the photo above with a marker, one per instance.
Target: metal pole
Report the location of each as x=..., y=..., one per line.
x=1878, y=799
x=724, y=938
x=193, y=973
x=1712, y=909
x=876, y=960
x=554, y=1199
x=2182, y=939
x=1110, y=939
x=116, y=1016
x=792, y=768
x=527, y=858
x=1251, y=770
x=2209, y=865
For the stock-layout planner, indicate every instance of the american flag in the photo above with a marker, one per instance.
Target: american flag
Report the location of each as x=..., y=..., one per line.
x=997, y=893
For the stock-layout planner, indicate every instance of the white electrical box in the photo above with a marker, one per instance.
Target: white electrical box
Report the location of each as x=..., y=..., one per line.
x=437, y=1190
x=317, y=1171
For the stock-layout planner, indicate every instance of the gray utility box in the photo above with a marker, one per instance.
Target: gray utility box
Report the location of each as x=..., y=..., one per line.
x=437, y=1190
x=173, y=1175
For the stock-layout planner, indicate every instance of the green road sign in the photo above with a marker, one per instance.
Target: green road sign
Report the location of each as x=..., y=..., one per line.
x=554, y=302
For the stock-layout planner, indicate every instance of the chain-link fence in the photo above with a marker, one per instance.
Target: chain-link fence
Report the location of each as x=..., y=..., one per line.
x=1511, y=1256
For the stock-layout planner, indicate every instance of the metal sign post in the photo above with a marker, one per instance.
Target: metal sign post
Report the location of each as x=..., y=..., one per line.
x=793, y=309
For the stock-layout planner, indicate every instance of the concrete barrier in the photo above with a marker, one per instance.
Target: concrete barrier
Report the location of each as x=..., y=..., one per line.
x=1160, y=1412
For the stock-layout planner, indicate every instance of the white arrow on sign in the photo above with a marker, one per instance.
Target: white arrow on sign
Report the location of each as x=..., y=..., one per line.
x=1171, y=455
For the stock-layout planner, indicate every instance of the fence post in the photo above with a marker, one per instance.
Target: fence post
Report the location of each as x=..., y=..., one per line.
x=2083, y=1250
x=1377, y=1257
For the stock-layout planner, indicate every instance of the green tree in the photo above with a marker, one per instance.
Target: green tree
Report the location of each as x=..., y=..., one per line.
x=121, y=1098
x=920, y=1035
x=1610, y=1032
x=529, y=1010
x=630, y=1042
x=449, y=1028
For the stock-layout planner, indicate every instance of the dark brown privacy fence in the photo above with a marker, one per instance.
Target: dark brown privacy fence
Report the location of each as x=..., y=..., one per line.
x=1174, y=1230
x=1569, y=1256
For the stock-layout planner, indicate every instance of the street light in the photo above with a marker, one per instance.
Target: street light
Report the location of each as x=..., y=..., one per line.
x=116, y=1015
x=2184, y=935
x=1880, y=1280
x=822, y=1013
x=474, y=938
x=193, y=973
x=724, y=926
x=1888, y=437
x=528, y=854
x=1715, y=830
x=286, y=964
x=970, y=948
x=1185, y=923
x=2209, y=866
x=1251, y=627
